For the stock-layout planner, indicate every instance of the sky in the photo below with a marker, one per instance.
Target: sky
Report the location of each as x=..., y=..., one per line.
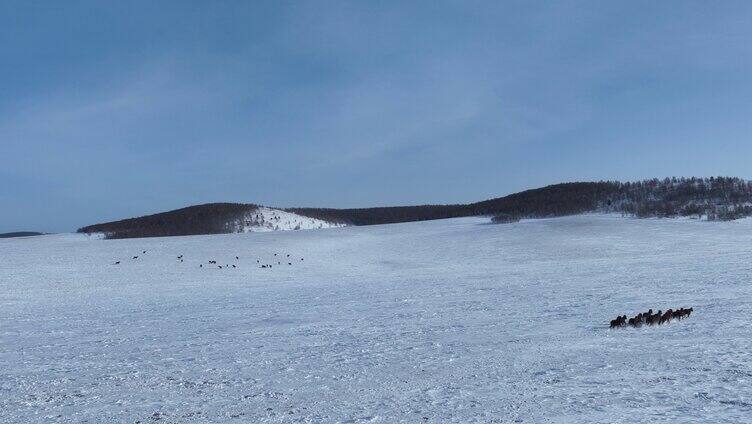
x=110, y=110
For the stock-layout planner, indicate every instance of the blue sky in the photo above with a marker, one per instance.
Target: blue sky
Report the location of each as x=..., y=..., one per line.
x=115, y=110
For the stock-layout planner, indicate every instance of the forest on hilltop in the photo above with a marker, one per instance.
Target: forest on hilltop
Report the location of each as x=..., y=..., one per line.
x=715, y=198
x=211, y=218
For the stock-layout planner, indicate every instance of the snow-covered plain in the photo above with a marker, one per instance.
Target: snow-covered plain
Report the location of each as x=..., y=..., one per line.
x=442, y=321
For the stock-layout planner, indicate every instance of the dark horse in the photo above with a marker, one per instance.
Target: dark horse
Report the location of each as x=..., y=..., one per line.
x=619, y=321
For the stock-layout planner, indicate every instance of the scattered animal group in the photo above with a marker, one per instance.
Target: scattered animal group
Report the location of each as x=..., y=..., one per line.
x=214, y=262
x=278, y=262
x=649, y=318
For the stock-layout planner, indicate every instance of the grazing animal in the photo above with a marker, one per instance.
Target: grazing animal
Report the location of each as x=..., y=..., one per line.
x=220, y=266
x=258, y=261
x=289, y=263
x=144, y=251
x=689, y=311
x=288, y=255
x=135, y=257
x=117, y=263
x=236, y=257
x=275, y=254
x=234, y=266
x=200, y=265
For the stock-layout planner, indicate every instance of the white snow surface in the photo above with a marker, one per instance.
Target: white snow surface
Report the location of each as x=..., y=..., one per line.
x=441, y=321
x=265, y=219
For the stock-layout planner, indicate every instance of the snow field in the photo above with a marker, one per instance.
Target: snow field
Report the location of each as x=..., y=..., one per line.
x=442, y=321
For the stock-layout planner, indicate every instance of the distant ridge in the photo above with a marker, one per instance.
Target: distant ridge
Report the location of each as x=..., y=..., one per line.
x=211, y=218
x=715, y=198
x=21, y=234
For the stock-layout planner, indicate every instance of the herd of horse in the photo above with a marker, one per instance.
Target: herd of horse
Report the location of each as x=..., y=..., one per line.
x=649, y=318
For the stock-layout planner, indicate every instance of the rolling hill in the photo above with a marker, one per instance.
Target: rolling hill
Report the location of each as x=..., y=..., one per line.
x=715, y=198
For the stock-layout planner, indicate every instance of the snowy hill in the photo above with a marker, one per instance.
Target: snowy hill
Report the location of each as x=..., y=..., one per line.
x=265, y=219
x=211, y=218
x=448, y=321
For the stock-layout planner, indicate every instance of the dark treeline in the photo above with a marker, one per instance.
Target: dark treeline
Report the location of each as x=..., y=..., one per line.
x=554, y=200
x=384, y=215
x=717, y=198
x=503, y=218
x=20, y=234
x=212, y=218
